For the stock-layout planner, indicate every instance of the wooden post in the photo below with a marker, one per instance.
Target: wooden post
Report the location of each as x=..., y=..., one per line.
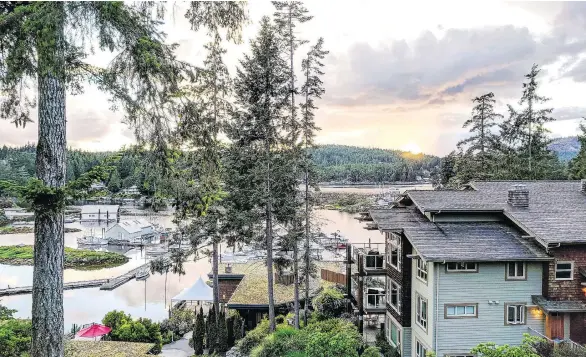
x=360, y=296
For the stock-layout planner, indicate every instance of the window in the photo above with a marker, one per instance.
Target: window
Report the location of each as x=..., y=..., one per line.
x=515, y=314
x=422, y=312
x=564, y=270
x=460, y=310
x=422, y=269
x=463, y=267
x=393, y=333
x=394, y=250
x=394, y=295
x=420, y=350
x=516, y=271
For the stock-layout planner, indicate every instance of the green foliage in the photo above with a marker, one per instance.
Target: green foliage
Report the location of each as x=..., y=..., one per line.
x=15, y=337
x=212, y=331
x=199, y=333
x=222, y=334
x=124, y=328
x=6, y=313
x=577, y=166
x=329, y=303
x=254, y=337
x=180, y=322
x=237, y=326
x=114, y=184
x=3, y=219
x=355, y=164
x=74, y=258
x=371, y=352
x=526, y=349
x=384, y=346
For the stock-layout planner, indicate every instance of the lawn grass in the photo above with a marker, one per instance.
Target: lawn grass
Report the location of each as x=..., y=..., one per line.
x=74, y=258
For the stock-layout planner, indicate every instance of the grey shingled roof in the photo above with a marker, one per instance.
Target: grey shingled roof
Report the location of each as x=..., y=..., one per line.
x=558, y=306
x=466, y=241
x=556, y=212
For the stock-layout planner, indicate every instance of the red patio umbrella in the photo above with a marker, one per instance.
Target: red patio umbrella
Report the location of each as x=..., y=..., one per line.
x=95, y=330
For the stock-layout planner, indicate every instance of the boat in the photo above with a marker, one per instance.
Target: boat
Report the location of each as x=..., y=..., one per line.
x=91, y=240
x=142, y=274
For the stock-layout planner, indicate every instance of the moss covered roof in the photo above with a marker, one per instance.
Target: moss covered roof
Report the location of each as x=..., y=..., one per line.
x=106, y=348
x=253, y=288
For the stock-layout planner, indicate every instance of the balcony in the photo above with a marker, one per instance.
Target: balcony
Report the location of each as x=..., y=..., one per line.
x=375, y=299
x=370, y=258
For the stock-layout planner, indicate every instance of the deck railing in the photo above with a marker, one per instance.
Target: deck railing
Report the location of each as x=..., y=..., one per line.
x=573, y=345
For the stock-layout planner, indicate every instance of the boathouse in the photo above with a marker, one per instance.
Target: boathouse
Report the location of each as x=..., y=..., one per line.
x=100, y=213
x=133, y=230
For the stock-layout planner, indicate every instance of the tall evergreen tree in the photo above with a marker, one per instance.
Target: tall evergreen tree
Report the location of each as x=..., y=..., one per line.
x=289, y=15
x=311, y=90
x=481, y=145
x=526, y=131
x=222, y=333
x=199, y=333
x=46, y=43
x=577, y=166
x=212, y=331
x=262, y=175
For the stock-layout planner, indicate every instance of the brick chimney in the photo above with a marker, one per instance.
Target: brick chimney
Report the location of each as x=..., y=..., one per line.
x=583, y=185
x=519, y=196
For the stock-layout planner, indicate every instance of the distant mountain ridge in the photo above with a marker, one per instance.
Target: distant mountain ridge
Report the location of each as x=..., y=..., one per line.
x=566, y=148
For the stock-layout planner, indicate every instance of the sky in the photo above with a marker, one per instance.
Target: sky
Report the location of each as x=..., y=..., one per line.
x=399, y=75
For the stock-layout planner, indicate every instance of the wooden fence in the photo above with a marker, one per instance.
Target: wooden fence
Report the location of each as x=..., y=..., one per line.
x=333, y=277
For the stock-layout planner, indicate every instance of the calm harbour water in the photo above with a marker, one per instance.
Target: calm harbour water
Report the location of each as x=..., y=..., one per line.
x=149, y=298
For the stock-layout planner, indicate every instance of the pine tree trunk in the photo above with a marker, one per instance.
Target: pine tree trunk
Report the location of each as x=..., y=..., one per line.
x=269, y=239
x=296, y=279
x=47, y=297
x=216, y=287
x=307, y=262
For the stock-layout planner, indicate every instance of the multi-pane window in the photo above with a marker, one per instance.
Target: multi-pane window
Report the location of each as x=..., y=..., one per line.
x=564, y=270
x=461, y=310
x=464, y=267
x=516, y=271
x=421, y=312
x=394, y=294
x=515, y=314
x=393, y=333
x=420, y=351
x=394, y=249
x=422, y=269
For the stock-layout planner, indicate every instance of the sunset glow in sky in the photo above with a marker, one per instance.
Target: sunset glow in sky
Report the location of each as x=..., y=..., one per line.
x=399, y=75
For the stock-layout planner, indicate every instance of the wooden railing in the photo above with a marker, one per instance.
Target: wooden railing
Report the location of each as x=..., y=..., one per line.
x=573, y=345
x=333, y=277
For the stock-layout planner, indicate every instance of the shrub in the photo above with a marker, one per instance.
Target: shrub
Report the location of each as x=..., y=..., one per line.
x=15, y=337
x=284, y=340
x=222, y=334
x=385, y=347
x=254, y=337
x=332, y=345
x=180, y=322
x=329, y=303
x=237, y=326
x=212, y=331
x=141, y=330
x=198, y=333
x=115, y=319
x=371, y=352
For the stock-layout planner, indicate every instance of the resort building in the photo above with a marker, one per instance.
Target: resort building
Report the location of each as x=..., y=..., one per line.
x=484, y=264
x=100, y=213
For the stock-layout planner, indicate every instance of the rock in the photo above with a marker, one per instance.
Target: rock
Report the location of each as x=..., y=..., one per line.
x=234, y=352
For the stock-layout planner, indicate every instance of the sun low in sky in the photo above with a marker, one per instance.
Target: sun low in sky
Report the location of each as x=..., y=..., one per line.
x=412, y=148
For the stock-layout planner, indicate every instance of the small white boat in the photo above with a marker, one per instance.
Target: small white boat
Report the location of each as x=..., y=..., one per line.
x=142, y=274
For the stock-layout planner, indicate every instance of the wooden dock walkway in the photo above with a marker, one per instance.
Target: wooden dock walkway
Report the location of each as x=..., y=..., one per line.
x=113, y=283
x=67, y=286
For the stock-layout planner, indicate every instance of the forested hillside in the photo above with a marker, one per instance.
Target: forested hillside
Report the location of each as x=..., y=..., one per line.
x=335, y=163
x=356, y=164
x=565, y=148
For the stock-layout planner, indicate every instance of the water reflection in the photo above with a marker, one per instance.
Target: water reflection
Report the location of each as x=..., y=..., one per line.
x=148, y=298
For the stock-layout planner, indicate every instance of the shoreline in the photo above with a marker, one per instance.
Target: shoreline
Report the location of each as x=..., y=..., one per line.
x=79, y=259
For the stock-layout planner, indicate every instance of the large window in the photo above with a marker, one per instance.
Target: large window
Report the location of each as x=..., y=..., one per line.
x=453, y=311
x=462, y=267
x=420, y=350
x=515, y=314
x=422, y=270
x=516, y=271
x=564, y=270
x=394, y=251
x=393, y=333
x=422, y=311
x=394, y=294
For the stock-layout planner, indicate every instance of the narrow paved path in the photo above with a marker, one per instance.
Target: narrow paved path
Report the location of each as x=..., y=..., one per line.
x=179, y=348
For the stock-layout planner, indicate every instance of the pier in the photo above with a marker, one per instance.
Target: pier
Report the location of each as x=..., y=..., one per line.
x=67, y=286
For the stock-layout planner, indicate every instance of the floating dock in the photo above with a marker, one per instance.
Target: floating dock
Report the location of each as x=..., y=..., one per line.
x=67, y=286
